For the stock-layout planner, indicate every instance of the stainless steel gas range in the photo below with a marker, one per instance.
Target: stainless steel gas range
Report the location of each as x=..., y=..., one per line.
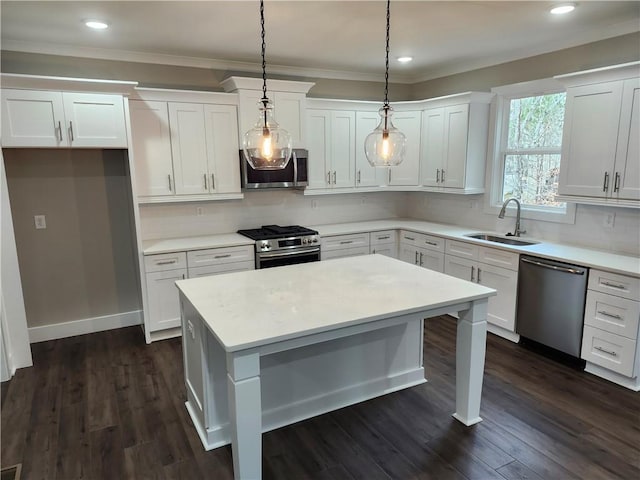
x=277, y=246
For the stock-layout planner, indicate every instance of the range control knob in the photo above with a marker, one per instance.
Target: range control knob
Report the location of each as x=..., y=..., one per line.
x=314, y=240
x=265, y=246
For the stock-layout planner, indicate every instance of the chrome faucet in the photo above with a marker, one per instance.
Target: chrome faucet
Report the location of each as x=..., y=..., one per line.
x=517, y=231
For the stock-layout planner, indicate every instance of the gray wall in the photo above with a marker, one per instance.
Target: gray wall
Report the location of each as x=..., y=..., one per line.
x=83, y=264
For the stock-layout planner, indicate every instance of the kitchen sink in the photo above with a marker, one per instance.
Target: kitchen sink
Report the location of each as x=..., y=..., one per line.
x=495, y=238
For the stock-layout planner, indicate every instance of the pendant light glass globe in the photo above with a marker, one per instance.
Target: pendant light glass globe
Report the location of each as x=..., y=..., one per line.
x=384, y=147
x=267, y=146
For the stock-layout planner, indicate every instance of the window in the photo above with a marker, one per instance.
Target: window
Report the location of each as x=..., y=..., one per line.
x=529, y=119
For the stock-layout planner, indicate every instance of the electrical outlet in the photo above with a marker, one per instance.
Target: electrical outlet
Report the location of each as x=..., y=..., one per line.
x=40, y=221
x=609, y=220
x=199, y=212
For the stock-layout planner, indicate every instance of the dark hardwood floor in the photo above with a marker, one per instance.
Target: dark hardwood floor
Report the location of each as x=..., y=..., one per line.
x=109, y=406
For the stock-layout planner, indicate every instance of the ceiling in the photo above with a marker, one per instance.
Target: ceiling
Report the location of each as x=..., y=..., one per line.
x=328, y=39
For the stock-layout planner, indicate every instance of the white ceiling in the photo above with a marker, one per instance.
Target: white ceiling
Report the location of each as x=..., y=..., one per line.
x=332, y=39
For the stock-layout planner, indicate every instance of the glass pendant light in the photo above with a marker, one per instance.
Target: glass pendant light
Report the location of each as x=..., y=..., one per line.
x=266, y=146
x=384, y=147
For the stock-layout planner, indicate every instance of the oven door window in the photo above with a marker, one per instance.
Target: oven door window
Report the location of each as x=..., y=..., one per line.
x=279, y=261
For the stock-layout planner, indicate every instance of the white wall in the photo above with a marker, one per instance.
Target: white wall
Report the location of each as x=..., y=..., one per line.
x=588, y=230
x=266, y=208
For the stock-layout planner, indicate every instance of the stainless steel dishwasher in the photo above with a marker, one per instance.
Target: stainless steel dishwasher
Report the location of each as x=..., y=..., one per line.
x=550, y=307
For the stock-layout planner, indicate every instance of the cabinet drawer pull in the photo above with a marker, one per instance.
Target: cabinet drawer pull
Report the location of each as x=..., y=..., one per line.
x=410, y=238
x=613, y=354
x=612, y=315
x=605, y=183
x=614, y=285
x=345, y=242
x=431, y=243
x=169, y=178
x=226, y=255
x=473, y=270
x=168, y=262
x=71, y=130
x=59, y=130
x=386, y=237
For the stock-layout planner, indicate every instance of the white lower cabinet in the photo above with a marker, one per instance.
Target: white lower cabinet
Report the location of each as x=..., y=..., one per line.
x=611, y=319
x=424, y=250
x=339, y=246
x=493, y=268
x=163, y=270
x=384, y=243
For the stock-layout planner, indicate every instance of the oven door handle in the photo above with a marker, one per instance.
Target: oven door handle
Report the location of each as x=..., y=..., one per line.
x=288, y=253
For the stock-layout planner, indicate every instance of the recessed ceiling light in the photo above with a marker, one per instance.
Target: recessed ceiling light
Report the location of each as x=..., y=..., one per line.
x=404, y=59
x=96, y=24
x=563, y=8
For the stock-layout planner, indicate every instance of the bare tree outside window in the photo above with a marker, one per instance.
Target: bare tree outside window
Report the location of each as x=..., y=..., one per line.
x=532, y=151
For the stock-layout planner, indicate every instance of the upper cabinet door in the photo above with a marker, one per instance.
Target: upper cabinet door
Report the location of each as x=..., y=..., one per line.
x=456, y=119
x=221, y=129
x=408, y=172
x=151, y=147
x=366, y=175
x=318, y=141
x=433, y=148
x=342, y=147
x=189, y=148
x=590, y=137
x=95, y=120
x=32, y=118
x=289, y=109
x=626, y=179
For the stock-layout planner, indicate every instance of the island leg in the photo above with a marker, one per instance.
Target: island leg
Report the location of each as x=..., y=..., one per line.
x=471, y=341
x=245, y=414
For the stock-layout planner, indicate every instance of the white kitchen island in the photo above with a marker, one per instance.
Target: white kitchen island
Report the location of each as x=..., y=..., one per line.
x=267, y=348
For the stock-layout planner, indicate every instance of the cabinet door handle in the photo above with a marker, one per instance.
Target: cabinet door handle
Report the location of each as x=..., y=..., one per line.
x=169, y=179
x=473, y=271
x=442, y=175
x=59, y=130
x=183, y=277
x=358, y=176
x=71, y=130
x=479, y=272
x=329, y=178
x=437, y=175
x=389, y=175
x=612, y=315
x=616, y=182
x=605, y=183
x=420, y=258
x=613, y=354
x=204, y=175
x=416, y=262
x=614, y=285
x=334, y=177
x=374, y=251
x=213, y=182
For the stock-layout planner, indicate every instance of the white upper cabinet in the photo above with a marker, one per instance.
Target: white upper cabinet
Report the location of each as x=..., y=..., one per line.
x=600, y=154
x=331, y=143
x=34, y=118
x=454, y=143
x=151, y=147
x=408, y=172
x=289, y=103
x=185, y=150
x=366, y=175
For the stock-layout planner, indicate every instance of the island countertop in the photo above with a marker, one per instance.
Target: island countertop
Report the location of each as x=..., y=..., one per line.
x=259, y=307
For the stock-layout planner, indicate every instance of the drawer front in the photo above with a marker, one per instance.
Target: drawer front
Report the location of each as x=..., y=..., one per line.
x=462, y=249
x=410, y=238
x=498, y=258
x=165, y=261
x=612, y=314
x=341, y=242
x=608, y=350
x=220, y=256
x=217, y=269
x=422, y=241
x=344, y=252
x=386, y=236
x=619, y=285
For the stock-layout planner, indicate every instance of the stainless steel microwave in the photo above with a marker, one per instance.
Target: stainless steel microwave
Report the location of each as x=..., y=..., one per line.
x=294, y=175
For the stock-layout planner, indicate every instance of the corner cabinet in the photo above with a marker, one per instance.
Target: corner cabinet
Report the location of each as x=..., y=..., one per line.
x=289, y=104
x=600, y=144
x=185, y=150
x=454, y=143
x=35, y=118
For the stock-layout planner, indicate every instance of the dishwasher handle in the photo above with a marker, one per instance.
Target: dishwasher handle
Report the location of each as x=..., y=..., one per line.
x=575, y=271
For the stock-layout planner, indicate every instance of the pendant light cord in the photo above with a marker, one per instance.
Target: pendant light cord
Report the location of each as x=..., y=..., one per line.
x=386, y=65
x=264, y=99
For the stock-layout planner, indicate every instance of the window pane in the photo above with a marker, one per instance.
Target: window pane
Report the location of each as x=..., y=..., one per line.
x=532, y=179
x=536, y=122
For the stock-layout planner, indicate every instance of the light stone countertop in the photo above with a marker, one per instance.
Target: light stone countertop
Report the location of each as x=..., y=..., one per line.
x=612, y=262
x=291, y=301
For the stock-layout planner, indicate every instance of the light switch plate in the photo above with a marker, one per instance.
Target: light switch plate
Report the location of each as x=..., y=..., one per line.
x=609, y=220
x=40, y=221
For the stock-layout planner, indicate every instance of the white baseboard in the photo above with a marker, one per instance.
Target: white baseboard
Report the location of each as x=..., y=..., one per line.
x=86, y=325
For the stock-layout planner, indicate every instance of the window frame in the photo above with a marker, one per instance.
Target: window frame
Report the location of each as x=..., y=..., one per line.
x=499, y=118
